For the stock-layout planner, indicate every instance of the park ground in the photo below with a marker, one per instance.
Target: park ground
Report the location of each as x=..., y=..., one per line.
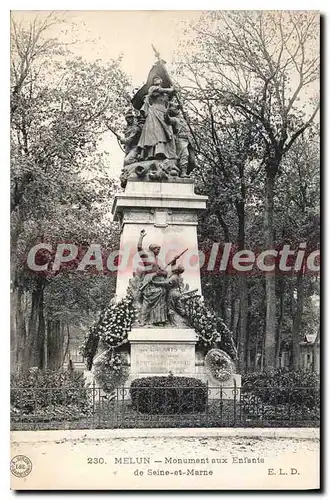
x=153, y=459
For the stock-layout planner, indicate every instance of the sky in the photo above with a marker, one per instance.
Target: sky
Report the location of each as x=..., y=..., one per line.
x=107, y=34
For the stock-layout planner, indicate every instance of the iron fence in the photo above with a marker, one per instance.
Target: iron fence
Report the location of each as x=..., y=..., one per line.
x=92, y=408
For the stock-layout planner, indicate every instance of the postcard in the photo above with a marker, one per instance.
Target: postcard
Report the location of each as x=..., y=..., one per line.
x=165, y=255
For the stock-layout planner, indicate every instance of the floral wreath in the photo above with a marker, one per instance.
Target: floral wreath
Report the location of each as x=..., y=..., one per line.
x=219, y=365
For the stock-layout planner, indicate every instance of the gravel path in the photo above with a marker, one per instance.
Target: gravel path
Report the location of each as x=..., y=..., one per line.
x=169, y=463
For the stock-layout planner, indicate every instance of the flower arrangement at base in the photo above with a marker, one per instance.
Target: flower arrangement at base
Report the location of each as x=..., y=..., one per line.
x=219, y=365
x=209, y=326
x=110, y=332
x=116, y=322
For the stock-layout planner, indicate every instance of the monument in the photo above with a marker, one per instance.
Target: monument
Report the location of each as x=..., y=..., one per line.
x=158, y=215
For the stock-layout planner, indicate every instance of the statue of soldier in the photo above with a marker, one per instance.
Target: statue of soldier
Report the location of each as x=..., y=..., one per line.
x=130, y=138
x=182, y=137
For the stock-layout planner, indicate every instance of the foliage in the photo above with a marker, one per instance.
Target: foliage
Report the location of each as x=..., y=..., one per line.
x=111, y=329
x=52, y=414
x=37, y=390
x=284, y=386
x=89, y=346
x=251, y=94
x=168, y=395
x=209, y=326
x=116, y=322
x=60, y=183
x=261, y=64
x=110, y=371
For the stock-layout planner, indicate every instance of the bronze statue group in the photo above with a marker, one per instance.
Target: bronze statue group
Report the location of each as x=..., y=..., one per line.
x=157, y=138
x=159, y=294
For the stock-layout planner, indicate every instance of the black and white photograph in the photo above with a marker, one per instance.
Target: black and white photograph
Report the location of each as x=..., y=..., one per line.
x=165, y=250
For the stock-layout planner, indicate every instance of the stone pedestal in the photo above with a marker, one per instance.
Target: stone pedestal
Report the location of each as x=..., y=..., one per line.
x=159, y=351
x=168, y=212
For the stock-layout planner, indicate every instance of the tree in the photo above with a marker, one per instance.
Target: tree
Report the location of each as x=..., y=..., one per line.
x=227, y=167
x=60, y=186
x=297, y=206
x=265, y=66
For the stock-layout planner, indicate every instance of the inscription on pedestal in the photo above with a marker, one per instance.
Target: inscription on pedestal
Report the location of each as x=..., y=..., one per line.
x=162, y=358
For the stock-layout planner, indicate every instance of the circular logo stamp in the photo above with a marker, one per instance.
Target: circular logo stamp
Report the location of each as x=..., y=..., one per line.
x=20, y=466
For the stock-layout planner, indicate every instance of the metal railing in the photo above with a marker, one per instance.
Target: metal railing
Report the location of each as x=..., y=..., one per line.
x=92, y=408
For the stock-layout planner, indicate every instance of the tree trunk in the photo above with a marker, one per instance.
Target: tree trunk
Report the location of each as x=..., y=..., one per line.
x=224, y=298
x=256, y=351
x=40, y=338
x=66, y=350
x=55, y=335
x=232, y=304
x=279, y=324
x=263, y=330
x=248, y=336
x=36, y=331
x=296, y=327
x=19, y=331
x=316, y=359
x=236, y=322
x=242, y=327
x=46, y=346
x=262, y=359
x=242, y=291
x=225, y=280
x=32, y=330
x=13, y=331
x=270, y=279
